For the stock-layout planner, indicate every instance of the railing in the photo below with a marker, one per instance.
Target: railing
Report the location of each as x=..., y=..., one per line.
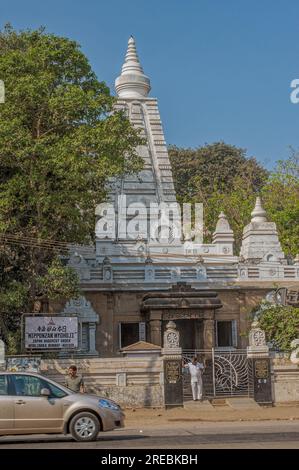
x=227, y=372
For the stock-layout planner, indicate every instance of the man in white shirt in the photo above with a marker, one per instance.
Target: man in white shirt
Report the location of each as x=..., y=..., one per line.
x=196, y=369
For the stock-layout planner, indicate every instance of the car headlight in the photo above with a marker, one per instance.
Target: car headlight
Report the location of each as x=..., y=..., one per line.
x=108, y=404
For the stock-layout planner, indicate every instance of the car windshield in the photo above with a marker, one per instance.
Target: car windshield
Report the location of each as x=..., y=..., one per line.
x=55, y=391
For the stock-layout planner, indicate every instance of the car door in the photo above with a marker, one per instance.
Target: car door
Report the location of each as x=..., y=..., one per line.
x=6, y=405
x=34, y=413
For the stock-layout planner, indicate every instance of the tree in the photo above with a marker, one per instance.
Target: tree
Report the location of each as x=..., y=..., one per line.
x=281, y=200
x=222, y=178
x=237, y=206
x=280, y=323
x=60, y=142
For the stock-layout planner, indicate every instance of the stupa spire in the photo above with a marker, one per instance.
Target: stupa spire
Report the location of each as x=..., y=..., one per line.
x=132, y=82
x=258, y=214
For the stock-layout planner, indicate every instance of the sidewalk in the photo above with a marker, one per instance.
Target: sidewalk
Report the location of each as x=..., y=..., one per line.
x=148, y=417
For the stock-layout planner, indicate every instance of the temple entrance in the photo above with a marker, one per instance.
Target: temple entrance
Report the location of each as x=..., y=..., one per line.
x=192, y=310
x=190, y=333
x=226, y=373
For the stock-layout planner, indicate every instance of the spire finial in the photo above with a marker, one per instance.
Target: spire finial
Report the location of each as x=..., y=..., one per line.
x=258, y=214
x=132, y=83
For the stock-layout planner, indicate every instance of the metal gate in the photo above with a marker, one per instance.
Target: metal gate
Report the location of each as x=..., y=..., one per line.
x=227, y=373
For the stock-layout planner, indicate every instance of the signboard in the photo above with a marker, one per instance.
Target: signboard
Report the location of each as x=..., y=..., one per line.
x=262, y=380
x=173, y=383
x=182, y=314
x=46, y=332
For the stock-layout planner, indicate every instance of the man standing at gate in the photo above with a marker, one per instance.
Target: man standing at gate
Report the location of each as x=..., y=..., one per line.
x=196, y=369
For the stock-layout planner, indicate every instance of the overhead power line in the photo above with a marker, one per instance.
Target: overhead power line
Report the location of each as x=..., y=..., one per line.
x=55, y=245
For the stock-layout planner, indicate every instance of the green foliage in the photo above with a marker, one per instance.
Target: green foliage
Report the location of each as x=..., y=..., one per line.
x=59, y=282
x=214, y=167
x=281, y=200
x=280, y=323
x=222, y=178
x=237, y=206
x=59, y=139
x=13, y=342
x=60, y=143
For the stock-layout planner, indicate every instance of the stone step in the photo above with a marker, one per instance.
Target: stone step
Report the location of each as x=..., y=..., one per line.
x=215, y=402
x=242, y=403
x=204, y=405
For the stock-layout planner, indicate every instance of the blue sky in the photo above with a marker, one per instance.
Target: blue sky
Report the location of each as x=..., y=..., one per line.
x=221, y=69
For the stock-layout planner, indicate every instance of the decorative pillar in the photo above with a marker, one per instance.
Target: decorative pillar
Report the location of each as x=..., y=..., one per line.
x=172, y=360
x=155, y=328
x=92, y=338
x=243, y=317
x=82, y=308
x=209, y=333
x=259, y=360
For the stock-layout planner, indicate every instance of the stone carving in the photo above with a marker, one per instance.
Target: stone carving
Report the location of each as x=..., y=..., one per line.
x=77, y=258
x=172, y=339
x=107, y=274
x=257, y=337
x=106, y=261
x=223, y=234
x=175, y=273
x=258, y=347
x=260, y=238
x=132, y=83
x=292, y=298
x=86, y=315
x=37, y=306
x=171, y=336
x=283, y=296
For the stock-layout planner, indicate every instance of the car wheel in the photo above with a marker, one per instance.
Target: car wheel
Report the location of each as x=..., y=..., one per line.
x=84, y=427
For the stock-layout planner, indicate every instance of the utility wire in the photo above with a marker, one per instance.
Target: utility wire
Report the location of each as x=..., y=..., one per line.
x=71, y=247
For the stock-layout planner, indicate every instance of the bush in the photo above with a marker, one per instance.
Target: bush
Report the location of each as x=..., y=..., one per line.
x=280, y=323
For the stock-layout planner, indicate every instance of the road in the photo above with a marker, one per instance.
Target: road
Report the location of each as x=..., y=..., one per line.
x=229, y=435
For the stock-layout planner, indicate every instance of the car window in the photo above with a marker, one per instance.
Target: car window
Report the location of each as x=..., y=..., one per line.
x=56, y=392
x=27, y=385
x=3, y=385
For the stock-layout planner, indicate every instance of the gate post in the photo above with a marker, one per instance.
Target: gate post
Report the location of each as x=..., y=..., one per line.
x=172, y=362
x=259, y=360
x=213, y=366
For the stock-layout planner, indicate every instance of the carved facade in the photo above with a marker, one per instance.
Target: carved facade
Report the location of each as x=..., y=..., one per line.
x=135, y=287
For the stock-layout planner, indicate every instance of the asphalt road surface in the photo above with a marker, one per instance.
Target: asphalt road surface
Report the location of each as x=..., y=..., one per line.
x=233, y=435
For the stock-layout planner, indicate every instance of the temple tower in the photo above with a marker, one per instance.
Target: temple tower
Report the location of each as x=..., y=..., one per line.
x=154, y=184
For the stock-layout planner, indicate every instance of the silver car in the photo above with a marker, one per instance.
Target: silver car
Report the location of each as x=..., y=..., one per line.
x=33, y=404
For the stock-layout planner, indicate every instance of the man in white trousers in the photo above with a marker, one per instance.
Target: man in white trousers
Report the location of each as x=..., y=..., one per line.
x=196, y=369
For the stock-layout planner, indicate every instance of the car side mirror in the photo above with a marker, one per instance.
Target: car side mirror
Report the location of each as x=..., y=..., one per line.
x=45, y=392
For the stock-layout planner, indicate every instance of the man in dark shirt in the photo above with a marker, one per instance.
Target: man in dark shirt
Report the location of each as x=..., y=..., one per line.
x=74, y=381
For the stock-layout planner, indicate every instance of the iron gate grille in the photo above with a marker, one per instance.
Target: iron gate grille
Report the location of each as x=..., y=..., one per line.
x=227, y=373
